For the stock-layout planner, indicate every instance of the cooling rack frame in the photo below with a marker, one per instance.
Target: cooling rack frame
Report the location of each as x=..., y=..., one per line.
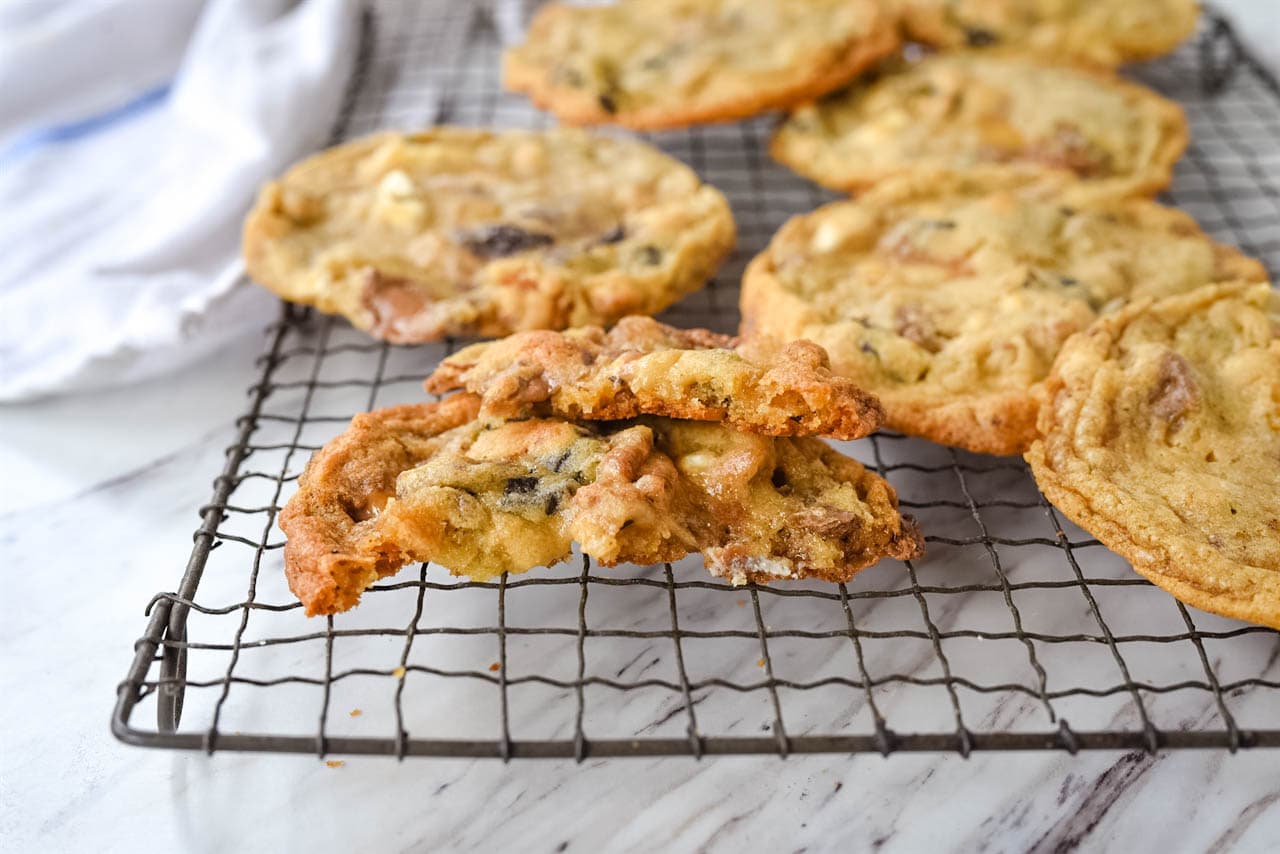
x=1228, y=81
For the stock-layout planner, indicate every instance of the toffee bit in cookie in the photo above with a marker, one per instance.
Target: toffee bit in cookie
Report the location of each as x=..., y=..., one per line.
x=499, y=241
x=550, y=505
x=914, y=324
x=825, y=521
x=1069, y=148
x=608, y=104
x=1175, y=393
x=389, y=299
x=650, y=256
x=520, y=485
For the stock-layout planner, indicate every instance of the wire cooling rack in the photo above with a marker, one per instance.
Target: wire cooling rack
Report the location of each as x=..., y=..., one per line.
x=1016, y=631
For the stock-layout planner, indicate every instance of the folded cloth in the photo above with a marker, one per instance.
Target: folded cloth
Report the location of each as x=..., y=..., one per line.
x=121, y=195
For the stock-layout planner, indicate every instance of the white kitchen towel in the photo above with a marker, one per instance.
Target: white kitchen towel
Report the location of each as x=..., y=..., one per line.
x=121, y=195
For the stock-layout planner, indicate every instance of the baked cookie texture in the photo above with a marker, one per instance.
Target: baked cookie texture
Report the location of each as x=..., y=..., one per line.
x=643, y=367
x=669, y=63
x=431, y=482
x=995, y=116
x=1100, y=32
x=454, y=231
x=950, y=305
x=1161, y=437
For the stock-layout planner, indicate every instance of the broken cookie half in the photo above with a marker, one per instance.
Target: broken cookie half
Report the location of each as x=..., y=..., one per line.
x=481, y=495
x=643, y=367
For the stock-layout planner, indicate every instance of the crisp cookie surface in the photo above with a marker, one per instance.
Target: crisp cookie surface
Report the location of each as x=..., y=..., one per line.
x=668, y=63
x=951, y=308
x=1102, y=32
x=643, y=367
x=430, y=482
x=1162, y=439
x=994, y=116
x=455, y=231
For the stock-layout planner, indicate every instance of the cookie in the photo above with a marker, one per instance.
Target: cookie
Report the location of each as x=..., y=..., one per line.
x=643, y=367
x=454, y=231
x=669, y=63
x=1100, y=32
x=1161, y=437
x=432, y=482
x=950, y=305
x=996, y=117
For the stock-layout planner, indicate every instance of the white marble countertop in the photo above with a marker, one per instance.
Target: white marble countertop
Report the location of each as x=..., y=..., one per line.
x=96, y=516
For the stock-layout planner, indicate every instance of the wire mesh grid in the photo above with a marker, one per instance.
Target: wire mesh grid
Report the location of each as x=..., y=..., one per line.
x=1016, y=631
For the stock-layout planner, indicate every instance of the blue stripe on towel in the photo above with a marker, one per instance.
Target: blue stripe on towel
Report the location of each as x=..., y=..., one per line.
x=40, y=137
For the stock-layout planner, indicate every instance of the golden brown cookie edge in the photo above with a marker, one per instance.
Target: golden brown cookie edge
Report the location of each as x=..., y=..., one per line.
x=576, y=108
x=924, y=25
x=1157, y=561
x=1153, y=180
x=328, y=560
x=694, y=266
x=840, y=410
x=768, y=309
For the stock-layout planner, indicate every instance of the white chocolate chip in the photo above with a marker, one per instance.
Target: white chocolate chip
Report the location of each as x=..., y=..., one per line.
x=397, y=200
x=777, y=567
x=827, y=237
x=699, y=461
x=396, y=185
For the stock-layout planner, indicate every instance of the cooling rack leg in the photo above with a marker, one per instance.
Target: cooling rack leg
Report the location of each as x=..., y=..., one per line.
x=173, y=683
